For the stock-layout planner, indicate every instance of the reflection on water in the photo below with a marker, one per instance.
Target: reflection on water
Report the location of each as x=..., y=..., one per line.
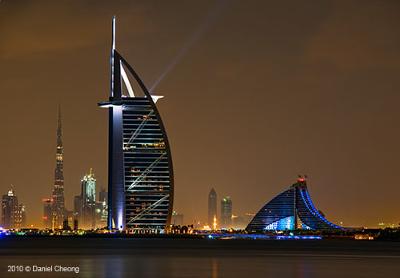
x=214, y=268
x=119, y=258
x=162, y=265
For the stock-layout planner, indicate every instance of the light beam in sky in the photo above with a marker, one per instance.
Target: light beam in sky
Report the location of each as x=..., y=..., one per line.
x=210, y=18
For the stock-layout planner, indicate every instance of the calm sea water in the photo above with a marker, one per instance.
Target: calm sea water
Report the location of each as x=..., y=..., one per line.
x=198, y=258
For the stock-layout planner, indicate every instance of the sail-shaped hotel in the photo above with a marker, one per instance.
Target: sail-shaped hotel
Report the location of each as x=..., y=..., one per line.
x=140, y=173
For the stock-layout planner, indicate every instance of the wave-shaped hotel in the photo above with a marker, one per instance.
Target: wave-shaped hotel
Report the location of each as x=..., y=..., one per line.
x=292, y=209
x=140, y=174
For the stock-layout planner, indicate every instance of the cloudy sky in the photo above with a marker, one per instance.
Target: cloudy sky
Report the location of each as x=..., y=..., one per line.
x=256, y=92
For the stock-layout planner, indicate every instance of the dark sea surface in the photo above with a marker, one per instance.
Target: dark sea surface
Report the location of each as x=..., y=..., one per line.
x=152, y=257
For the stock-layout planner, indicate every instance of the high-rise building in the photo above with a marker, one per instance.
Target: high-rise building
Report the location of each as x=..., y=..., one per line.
x=140, y=175
x=226, y=212
x=9, y=206
x=47, y=213
x=12, y=214
x=88, y=201
x=58, y=209
x=212, y=207
x=88, y=212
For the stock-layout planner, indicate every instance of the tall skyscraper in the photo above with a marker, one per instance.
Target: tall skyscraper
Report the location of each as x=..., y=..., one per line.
x=88, y=199
x=140, y=174
x=9, y=206
x=226, y=212
x=212, y=207
x=58, y=209
x=13, y=215
x=47, y=213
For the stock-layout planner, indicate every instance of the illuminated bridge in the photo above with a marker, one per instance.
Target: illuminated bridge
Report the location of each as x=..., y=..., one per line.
x=290, y=210
x=140, y=174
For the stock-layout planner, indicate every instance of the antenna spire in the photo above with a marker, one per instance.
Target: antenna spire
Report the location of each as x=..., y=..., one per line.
x=112, y=57
x=59, y=126
x=113, y=33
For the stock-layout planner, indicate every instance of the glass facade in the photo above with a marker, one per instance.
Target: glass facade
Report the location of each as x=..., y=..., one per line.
x=12, y=214
x=290, y=210
x=146, y=166
x=280, y=207
x=141, y=178
x=88, y=184
x=226, y=212
x=9, y=207
x=88, y=201
x=286, y=223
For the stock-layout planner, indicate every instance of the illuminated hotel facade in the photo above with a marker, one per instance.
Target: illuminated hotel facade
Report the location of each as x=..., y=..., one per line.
x=290, y=210
x=140, y=179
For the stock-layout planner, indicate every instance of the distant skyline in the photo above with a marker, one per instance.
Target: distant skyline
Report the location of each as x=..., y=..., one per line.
x=264, y=92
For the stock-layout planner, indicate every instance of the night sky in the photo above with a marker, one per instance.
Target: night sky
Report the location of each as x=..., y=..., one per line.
x=263, y=91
